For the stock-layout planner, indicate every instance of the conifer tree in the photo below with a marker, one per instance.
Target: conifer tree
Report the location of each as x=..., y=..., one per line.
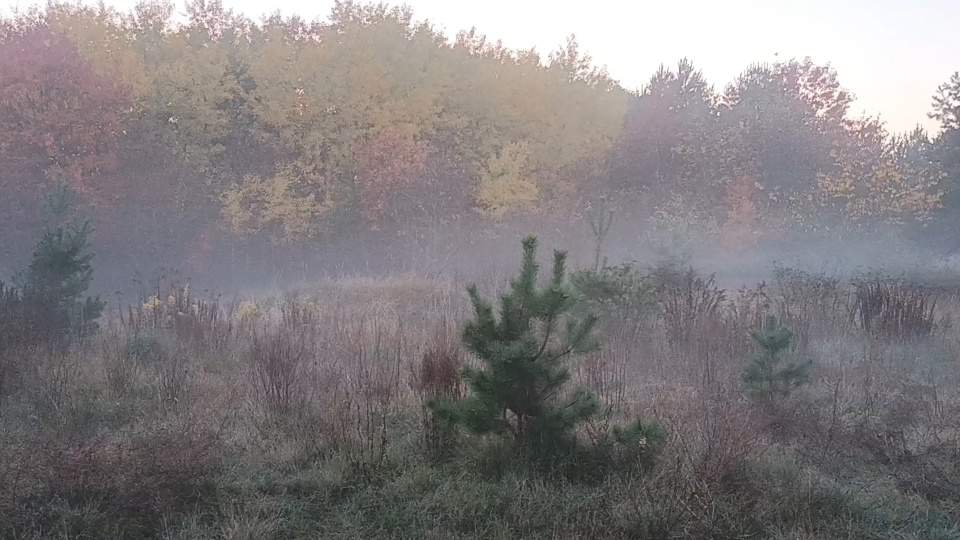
x=519, y=390
x=53, y=288
x=766, y=375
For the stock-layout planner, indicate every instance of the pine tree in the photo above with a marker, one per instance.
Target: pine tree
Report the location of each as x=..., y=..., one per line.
x=52, y=291
x=519, y=390
x=600, y=221
x=766, y=375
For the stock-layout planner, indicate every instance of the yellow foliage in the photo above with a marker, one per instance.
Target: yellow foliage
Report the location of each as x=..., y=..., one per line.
x=504, y=185
x=104, y=41
x=189, y=93
x=272, y=204
x=249, y=311
x=884, y=191
x=153, y=304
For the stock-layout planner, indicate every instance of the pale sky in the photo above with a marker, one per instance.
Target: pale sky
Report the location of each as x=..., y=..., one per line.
x=891, y=54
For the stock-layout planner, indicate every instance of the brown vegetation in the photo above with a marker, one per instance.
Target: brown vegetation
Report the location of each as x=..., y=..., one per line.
x=136, y=434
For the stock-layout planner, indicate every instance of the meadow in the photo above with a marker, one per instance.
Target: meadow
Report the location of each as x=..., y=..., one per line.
x=304, y=415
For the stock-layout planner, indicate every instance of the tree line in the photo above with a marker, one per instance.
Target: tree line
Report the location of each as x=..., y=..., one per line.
x=283, y=131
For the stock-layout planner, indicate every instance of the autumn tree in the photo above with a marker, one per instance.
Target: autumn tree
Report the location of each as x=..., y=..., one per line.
x=784, y=118
x=57, y=112
x=58, y=117
x=946, y=155
x=372, y=122
x=667, y=129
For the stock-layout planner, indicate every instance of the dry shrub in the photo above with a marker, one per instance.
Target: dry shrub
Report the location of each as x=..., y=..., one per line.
x=173, y=378
x=144, y=357
x=686, y=299
x=8, y=368
x=808, y=302
x=121, y=373
x=299, y=311
x=126, y=485
x=16, y=367
x=700, y=327
x=278, y=360
x=605, y=371
x=372, y=390
x=750, y=307
x=407, y=295
x=49, y=377
x=713, y=435
x=892, y=310
x=903, y=428
x=438, y=378
x=439, y=373
x=200, y=324
x=11, y=336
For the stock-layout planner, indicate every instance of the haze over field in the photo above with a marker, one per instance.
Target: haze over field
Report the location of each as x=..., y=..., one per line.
x=349, y=138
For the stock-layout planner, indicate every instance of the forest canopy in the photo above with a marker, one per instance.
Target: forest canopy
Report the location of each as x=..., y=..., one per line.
x=285, y=131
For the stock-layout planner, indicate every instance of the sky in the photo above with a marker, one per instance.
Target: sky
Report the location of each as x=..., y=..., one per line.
x=892, y=54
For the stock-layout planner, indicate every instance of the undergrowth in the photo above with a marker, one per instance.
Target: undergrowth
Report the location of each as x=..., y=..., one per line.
x=307, y=417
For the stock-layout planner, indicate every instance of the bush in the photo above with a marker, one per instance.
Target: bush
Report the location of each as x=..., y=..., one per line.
x=639, y=441
x=618, y=294
x=766, y=375
x=107, y=486
x=439, y=379
x=146, y=347
x=891, y=309
x=686, y=300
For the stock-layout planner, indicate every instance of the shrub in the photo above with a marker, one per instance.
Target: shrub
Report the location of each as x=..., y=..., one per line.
x=766, y=375
x=600, y=220
x=439, y=379
x=639, y=440
x=146, y=347
x=618, y=294
x=278, y=360
x=891, y=309
x=810, y=302
x=108, y=486
x=199, y=323
x=686, y=300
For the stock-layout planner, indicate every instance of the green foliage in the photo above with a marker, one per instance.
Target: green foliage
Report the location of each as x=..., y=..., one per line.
x=617, y=294
x=767, y=376
x=52, y=306
x=519, y=391
x=146, y=347
x=639, y=441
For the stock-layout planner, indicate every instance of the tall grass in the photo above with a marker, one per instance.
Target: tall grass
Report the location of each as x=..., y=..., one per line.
x=304, y=416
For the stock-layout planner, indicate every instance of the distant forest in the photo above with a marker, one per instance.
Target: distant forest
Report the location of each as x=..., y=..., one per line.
x=182, y=138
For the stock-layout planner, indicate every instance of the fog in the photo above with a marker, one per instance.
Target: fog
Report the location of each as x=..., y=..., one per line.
x=255, y=155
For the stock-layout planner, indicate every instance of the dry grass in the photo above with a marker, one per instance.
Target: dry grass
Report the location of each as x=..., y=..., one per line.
x=304, y=416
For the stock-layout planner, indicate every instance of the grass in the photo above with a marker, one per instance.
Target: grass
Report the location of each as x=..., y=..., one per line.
x=302, y=416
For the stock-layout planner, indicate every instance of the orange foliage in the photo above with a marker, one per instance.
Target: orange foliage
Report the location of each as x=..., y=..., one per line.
x=57, y=112
x=387, y=162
